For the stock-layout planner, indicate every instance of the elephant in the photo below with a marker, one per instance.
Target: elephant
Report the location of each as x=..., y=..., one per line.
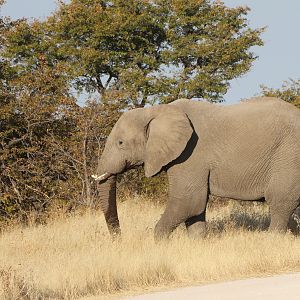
x=245, y=151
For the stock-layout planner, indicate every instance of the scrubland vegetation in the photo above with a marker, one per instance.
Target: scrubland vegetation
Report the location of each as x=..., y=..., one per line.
x=73, y=257
x=65, y=80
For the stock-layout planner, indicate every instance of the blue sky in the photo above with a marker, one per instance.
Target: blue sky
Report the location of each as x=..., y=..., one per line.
x=279, y=58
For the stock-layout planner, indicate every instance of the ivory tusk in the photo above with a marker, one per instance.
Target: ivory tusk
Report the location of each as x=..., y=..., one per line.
x=101, y=177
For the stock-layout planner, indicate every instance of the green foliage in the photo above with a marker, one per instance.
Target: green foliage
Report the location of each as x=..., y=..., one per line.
x=135, y=182
x=208, y=44
x=290, y=92
x=139, y=52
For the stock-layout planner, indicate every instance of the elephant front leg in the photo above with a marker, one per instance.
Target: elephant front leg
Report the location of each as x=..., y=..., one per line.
x=187, y=203
x=165, y=226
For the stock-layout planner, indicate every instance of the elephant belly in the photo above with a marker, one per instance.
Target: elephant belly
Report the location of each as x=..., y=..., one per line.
x=232, y=183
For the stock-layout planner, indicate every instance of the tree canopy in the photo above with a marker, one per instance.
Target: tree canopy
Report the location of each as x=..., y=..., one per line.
x=137, y=52
x=290, y=92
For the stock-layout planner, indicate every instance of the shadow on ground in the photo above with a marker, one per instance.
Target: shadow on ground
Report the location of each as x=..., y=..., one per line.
x=252, y=220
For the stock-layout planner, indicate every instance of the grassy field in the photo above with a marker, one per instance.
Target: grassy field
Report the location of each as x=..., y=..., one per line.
x=73, y=257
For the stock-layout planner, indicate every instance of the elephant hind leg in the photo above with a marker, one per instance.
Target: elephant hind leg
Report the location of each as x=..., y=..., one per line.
x=283, y=203
x=279, y=219
x=196, y=226
x=294, y=221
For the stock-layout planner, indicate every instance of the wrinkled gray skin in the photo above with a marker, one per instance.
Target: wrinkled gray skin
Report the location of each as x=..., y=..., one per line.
x=247, y=151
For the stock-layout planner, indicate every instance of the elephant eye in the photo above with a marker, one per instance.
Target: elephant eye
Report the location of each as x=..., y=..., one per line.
x=120, y=142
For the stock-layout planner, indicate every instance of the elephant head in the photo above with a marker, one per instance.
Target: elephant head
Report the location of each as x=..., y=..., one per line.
x=153, y=136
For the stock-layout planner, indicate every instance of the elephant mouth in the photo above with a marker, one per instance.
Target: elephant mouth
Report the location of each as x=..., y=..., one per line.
x=127, y=166
x=101, y=177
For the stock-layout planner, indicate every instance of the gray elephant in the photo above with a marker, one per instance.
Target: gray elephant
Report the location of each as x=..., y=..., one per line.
x=246, y=151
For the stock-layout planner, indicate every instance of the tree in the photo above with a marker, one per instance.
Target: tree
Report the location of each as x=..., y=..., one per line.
x=34, y=116
x=208, y=43
x=35, y=110
x=290, y=92
x=137, y=52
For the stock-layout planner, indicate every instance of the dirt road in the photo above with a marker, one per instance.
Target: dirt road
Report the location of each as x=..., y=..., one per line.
x=271, y=288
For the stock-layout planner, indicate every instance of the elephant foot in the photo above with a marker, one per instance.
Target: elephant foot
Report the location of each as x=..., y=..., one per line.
x=197, y=230
x=196, y=226
x=161, y=232
x=294, y=222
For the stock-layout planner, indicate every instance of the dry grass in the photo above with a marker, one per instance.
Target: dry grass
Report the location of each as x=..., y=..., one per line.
x=73, y=257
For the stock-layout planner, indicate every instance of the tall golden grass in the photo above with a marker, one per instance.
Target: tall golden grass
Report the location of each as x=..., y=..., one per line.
x=74, y=257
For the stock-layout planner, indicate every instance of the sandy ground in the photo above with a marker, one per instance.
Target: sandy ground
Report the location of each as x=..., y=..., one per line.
x=270, y=288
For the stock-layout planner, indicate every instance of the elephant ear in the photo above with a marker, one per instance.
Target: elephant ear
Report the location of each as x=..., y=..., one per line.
x=168, y=133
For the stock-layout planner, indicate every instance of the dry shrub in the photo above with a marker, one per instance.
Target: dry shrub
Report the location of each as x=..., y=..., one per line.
x=134, y=182
x=74, y=257
x=14, y=287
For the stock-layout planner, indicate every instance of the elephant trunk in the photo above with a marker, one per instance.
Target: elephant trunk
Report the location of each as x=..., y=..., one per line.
x=107, y=193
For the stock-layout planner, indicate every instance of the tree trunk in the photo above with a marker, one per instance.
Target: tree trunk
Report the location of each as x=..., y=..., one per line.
x=107, y=193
